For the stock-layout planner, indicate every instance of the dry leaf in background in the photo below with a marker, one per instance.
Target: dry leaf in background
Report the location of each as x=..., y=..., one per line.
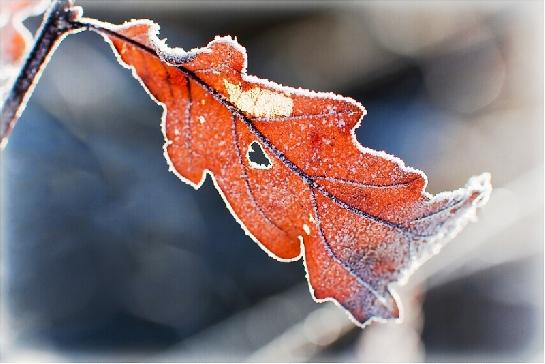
x=15, y=39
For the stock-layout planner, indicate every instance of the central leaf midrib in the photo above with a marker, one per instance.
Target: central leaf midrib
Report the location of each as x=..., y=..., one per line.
x=309, y=181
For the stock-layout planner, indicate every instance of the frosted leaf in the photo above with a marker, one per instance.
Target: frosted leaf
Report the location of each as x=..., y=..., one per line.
x=360, y=219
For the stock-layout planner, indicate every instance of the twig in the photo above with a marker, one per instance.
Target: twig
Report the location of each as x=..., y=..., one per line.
x=56, y=25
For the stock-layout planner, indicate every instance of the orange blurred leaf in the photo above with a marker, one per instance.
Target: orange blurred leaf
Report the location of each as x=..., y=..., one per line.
x=15, y=39
x=360, y=218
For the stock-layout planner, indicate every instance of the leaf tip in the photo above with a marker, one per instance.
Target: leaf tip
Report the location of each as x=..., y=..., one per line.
x=480, y=188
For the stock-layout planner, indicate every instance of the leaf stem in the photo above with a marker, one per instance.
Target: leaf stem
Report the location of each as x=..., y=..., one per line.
x=56, y=25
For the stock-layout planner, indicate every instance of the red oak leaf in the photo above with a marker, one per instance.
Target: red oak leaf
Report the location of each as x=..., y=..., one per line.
x=15, y=39
x=360, y=219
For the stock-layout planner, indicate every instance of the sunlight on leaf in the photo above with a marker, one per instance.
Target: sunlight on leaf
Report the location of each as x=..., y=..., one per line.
x=360, y=219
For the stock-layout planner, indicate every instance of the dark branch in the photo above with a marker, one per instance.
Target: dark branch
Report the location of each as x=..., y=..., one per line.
x=57, y=23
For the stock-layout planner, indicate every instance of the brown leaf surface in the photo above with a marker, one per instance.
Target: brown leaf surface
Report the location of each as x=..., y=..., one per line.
x=360, y=218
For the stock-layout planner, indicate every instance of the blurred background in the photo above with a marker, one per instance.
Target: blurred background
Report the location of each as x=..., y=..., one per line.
x=108, y=256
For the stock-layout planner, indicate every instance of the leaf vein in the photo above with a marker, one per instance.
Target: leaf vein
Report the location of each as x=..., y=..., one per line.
x=245, y=177
x=248, y=122
x=334, y=256
x=362, y=185
x=303, y=117
x=187, y=121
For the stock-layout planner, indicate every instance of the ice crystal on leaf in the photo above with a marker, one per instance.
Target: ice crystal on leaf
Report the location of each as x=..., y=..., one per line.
x=360, y=219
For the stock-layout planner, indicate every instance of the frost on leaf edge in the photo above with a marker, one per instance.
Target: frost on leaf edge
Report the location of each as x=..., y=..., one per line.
x=177, y=56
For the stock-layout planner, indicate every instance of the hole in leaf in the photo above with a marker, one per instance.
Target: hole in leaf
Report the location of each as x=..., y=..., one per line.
x=257, y=157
